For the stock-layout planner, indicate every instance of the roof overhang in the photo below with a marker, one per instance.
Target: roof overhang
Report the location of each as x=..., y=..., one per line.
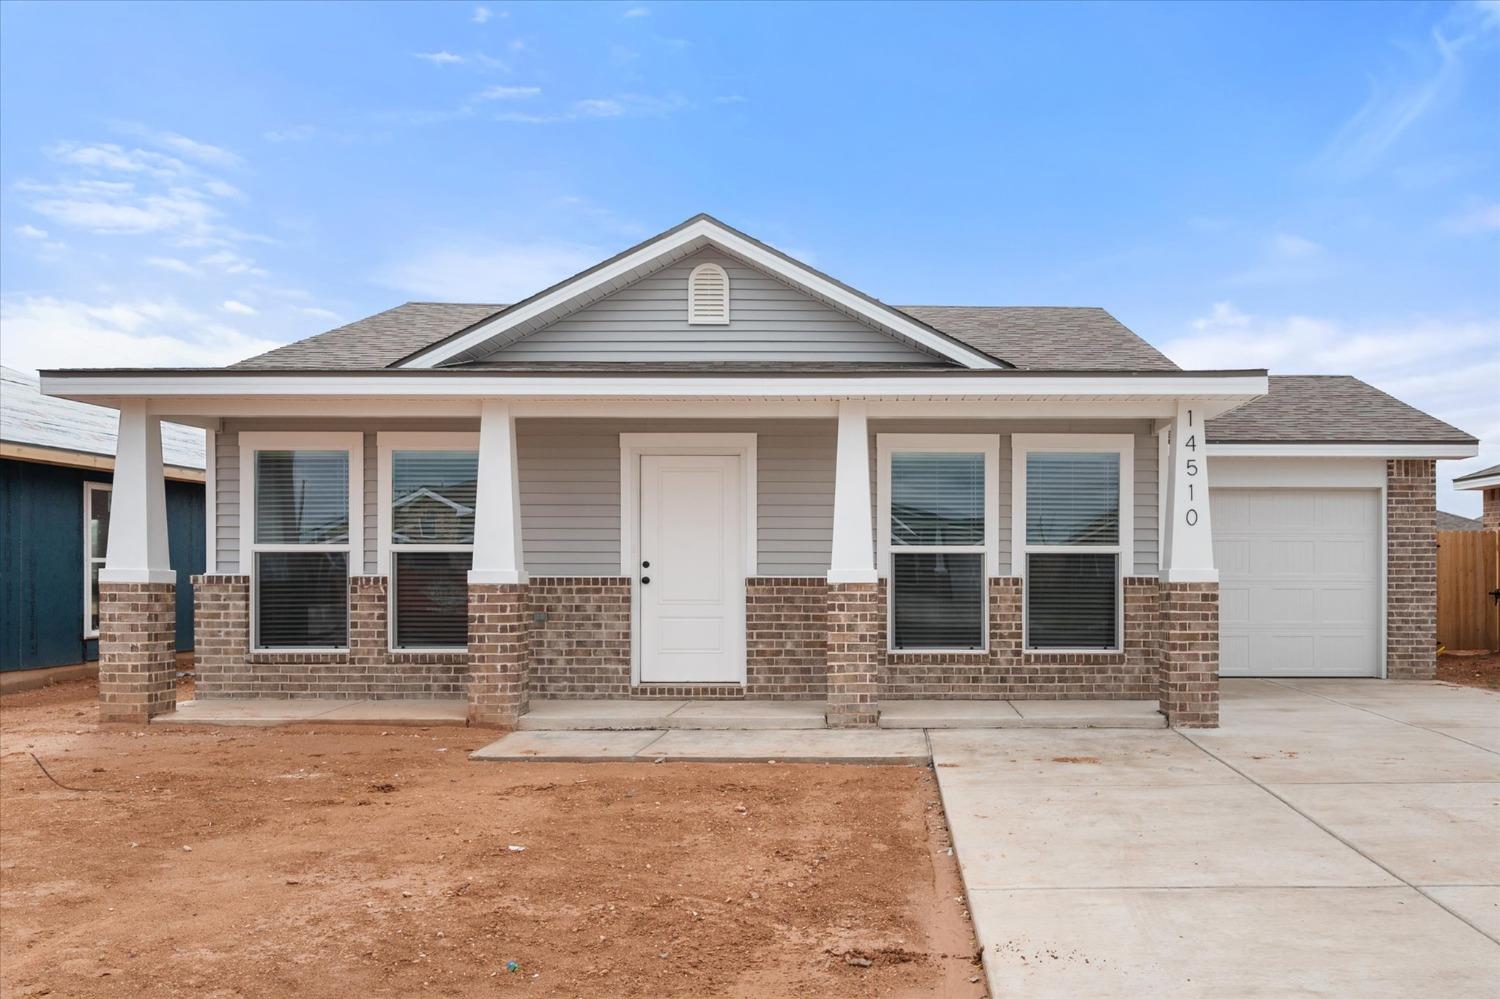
x=692, y=235
x=1336, y=449
x=1490, y=481
x=84, y=459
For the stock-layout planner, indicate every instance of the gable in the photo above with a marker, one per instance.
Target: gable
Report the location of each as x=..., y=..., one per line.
x=769, y=321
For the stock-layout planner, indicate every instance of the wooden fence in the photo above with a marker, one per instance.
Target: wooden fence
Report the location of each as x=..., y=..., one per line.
x=1468, y=571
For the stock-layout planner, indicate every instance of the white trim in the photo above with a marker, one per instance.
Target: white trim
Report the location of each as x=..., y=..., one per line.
x=718, y=317
x=388, y=442
x=1297, y=473
x=1227, y=391
x=251, y=441
x=987, y=445
x=1342, y=450
x=1123, y=445
x=210, y=502
x=632, y=446
x=1486, y=482
x=710, y=232
x=89, y=488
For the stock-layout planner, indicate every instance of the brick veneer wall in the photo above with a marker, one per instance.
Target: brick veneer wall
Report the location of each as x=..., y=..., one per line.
x=225, y=666
x=137, y=650
x=499, y=653
x=1491, y=509
x=580, y=636
x=786, y=638
x=855, y=639
x=1188, y=689
x=1006, y=671
x=1411, y=568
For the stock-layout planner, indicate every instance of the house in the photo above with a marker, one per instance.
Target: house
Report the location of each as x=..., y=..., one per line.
x=56, y=472
x=1457, y=522
x=703, y=468
x=1488, y=481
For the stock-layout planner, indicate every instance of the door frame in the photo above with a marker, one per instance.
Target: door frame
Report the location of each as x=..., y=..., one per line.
x=632, y=447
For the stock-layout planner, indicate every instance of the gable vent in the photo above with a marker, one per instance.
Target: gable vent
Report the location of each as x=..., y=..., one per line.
x=708, y=295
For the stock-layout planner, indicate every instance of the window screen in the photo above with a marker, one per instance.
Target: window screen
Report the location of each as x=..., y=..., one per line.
x=432, y=598
x=937, y=601
x=302, y=600
x=1071, y=600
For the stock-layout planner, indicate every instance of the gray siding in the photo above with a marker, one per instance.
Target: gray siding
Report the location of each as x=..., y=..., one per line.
x=769, y=321
x=570, y=485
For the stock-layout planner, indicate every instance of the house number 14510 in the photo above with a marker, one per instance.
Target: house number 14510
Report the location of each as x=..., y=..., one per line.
x=1191, y=445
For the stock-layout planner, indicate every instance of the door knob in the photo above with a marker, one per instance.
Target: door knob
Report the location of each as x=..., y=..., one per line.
x=645, y=579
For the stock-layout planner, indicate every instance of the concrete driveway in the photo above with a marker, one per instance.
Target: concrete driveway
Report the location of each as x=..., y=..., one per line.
x=1332, y=838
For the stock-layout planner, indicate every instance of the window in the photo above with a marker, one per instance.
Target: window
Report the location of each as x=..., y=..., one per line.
x=427, y=496
x=96, y=496
x=299, y=499
x=1072, y=521
x=708, y=295
x=939, y=544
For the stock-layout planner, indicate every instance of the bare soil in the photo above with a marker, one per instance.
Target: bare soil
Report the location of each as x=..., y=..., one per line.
x=1470, y=669
x=350, y=861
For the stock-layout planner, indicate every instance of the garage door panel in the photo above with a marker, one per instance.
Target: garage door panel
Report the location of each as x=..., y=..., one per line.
x=1299, y=574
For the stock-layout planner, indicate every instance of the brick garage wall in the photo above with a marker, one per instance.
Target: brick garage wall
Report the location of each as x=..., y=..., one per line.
x=137, y=651
x=786, y=638
x=1411, y=568
x=1007, y=672
x=225, y=666
x=1492, y=509
x=580, y=636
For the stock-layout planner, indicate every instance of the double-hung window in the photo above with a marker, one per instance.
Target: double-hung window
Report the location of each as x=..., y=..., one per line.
x=1072, y=511
x=938, y=537
x=426, y=517
x=300, y=535
x=95, y=542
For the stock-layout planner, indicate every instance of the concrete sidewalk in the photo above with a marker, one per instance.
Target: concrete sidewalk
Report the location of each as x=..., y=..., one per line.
x=1331, y=838
x=871, y=746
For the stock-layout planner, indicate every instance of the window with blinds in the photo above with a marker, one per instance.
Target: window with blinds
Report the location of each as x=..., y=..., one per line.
x=432, y=499
x=1072, y=548
x=96, y=497
x=301, y=548
x=937, y=534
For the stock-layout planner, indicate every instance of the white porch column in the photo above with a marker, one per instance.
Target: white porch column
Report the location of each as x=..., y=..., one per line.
x=853, y=559
x=1187, y=546
x=498, y=553
x=137, y=544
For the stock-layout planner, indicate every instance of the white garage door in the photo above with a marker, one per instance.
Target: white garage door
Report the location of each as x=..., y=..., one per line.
x=1299, y=581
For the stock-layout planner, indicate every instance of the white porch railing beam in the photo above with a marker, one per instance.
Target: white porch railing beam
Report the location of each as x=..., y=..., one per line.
x=853, y=557
x=1187, y=542
x=498, y=553
x=137, y=542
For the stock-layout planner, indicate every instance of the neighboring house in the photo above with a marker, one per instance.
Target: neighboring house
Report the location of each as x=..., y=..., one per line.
x=703, y=469
x=1454, y=522
x=1488, y=481
x=56, y=472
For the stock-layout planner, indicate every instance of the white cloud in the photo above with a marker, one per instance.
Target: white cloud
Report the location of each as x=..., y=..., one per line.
x=229, y=262
x=317, y=313
x=1477, y=218
x=238, y=308
x=486, y=272
x=296, y=133
x=443, y=58
x=507, y=93
x=174, y=265
x=120, y=209
x=637, y=12
x=29, y=232
x=1444, y=366
x=202, y=152
x=618, y=106
x=48, y=332
x=483, y=14
x=109, y=157
x=1285, y=258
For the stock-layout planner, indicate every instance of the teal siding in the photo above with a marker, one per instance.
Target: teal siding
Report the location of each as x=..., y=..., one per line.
x=41, y=562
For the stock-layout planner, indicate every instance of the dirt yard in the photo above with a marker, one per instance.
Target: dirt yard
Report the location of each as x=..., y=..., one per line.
x=1471, y=669
x=355, y=861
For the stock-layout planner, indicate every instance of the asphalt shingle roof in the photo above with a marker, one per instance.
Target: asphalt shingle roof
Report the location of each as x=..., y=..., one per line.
x=28, y=417
x=376, y=341
x=1329, y=409
x=1455, y=522
x=1483, y=473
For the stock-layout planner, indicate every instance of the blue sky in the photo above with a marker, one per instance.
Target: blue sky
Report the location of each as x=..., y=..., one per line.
x=1310, y=188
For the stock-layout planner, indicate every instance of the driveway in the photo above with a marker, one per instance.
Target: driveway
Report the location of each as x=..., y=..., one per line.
x=1332, y=838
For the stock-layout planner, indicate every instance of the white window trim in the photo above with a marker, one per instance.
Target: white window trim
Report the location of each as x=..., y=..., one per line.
x=89, y=489
x=632, y=446
x=693, y=317
x=252, y=441
x=1124, y=446
x=387, y=443
x=986, y=444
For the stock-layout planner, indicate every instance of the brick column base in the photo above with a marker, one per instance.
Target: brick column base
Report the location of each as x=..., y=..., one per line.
x=499, y=653
x=137, y=651
x=1411, y=569
x=853, y=655
x=1188, y=675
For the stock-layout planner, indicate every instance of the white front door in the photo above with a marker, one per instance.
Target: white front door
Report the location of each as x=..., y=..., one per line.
x=691, y=548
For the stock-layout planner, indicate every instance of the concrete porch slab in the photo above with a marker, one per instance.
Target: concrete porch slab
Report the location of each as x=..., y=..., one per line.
x=266, y=712
x=568, y=747
x=748, y=715
x=416, y=712
x=792, y=746
x=590, y=715
x=948, y=714
x=1090, y=714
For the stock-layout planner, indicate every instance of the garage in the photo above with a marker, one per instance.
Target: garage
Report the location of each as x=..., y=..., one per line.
x=1299, y=581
